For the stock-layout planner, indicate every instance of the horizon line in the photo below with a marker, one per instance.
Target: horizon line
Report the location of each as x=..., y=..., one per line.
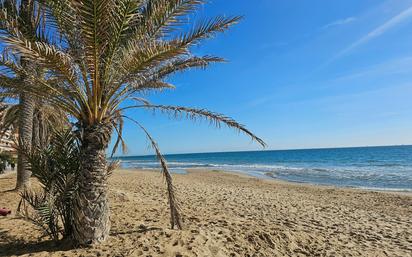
x=264, y=150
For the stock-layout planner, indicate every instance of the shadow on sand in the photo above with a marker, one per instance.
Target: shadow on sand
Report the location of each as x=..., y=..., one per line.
x=10, y=245
x=140, y=230
x=9, y=191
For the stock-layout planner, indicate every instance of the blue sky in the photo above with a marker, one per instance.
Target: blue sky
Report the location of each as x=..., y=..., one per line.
x=302, y=74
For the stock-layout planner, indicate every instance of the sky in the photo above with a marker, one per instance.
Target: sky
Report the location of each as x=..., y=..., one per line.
x=301, y=74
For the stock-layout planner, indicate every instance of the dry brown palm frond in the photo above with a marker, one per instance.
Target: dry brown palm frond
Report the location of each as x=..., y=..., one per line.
x=118, y=124
x=112, y=166
x=140, y=100
x=215, y=119
x=8, y=118
x=155, y=85
x=175, y=218
x=46, y=117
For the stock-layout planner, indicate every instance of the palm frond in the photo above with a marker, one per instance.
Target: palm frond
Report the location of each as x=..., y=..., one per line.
x=153, y=85
x=122, y=17
x=206, y=29
x=43, y=214
x=161, y=17
x=41, y=52
x=139, y=58
x=118, y=126
x=59, y=15
x=142, y=79
x=175, y=218
x=8, y=118
x=186, y=63
x=215, y=119
x=63, y=87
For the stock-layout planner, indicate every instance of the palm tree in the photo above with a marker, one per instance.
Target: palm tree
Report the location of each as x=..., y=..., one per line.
x=45, y=119
x=26, y=16
x=110, y=52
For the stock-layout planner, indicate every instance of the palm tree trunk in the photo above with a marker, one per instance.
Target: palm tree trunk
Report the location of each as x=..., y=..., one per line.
x=42, y=131
x=36, y=132
x=91, y=208
x=25, y=140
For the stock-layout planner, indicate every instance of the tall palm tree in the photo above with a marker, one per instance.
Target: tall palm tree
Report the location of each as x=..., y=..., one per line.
x=110, y=51
x=26, y=16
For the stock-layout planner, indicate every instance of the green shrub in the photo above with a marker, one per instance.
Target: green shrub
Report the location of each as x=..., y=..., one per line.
x=56, y=168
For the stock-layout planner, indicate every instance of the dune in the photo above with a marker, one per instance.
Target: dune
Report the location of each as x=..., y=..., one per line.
x=230, y=215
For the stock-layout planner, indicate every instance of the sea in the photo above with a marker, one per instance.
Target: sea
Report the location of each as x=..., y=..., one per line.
x=376, y=168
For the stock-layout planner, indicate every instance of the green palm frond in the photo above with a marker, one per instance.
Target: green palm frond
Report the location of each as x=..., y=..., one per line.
x=175, y=65
x=160, y=18
x=207, y=29
x=43, y=214
x=138, y=57
x=48, y=55
x=56, y=168
x=123, y=17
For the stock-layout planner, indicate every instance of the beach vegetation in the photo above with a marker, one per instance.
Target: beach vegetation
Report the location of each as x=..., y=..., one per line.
x=57, y=168
x=102, y=57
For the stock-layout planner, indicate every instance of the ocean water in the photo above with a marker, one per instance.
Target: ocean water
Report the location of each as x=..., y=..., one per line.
x=381, y=168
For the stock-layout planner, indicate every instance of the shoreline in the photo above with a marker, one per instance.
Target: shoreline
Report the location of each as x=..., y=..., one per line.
x=277, y=180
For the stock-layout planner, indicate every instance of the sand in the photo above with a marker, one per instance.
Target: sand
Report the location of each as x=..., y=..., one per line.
x=231, y=215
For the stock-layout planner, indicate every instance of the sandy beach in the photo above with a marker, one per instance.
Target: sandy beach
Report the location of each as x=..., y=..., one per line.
x=230, y=215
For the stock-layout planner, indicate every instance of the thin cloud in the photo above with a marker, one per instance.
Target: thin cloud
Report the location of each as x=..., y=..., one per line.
x=397, y=66
x=339, y=22
x=396, y=20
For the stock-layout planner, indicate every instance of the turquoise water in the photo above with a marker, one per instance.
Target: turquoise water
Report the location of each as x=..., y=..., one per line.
x=383, y=168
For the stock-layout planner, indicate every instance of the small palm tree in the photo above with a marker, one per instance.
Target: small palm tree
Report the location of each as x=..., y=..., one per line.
x=56, y=167
x=26, y=16
x=110, y=52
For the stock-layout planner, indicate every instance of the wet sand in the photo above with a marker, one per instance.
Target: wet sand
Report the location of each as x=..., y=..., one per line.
x=231, y=215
